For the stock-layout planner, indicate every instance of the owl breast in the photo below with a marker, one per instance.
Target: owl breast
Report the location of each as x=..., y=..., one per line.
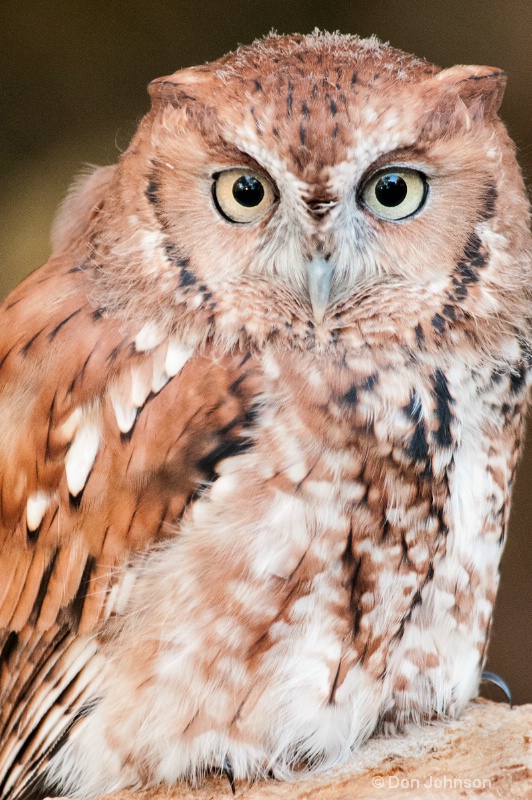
x=339, y=574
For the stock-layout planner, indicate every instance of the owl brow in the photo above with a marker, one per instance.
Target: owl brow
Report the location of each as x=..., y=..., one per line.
x=229, y=154
x=410, y=153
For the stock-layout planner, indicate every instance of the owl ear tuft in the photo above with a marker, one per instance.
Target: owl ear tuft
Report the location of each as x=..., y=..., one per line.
x=180, y=87
x=481, y=89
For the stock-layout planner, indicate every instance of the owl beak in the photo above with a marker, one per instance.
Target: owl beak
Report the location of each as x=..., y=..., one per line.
x=319, y=273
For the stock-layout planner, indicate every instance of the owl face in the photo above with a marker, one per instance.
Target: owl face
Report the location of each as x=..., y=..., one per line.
x=309, y=185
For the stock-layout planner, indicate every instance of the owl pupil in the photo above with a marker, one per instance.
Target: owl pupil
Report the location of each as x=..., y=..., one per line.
x=248, y=191
x=391, y=190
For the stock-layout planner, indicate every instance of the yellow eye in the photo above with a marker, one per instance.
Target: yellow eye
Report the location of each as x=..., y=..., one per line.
x=395, y=192
x=243, y=195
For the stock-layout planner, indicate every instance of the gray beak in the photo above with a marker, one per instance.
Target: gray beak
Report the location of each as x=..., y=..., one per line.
x=319, y=273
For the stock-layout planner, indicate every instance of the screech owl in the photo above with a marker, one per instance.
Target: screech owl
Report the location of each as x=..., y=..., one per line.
x=260, y=415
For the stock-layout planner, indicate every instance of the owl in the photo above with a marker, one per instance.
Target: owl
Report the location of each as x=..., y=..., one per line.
x=260, y=415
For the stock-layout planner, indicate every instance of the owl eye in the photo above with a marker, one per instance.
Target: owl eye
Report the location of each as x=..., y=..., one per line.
x=395, y=193
x=242, y=195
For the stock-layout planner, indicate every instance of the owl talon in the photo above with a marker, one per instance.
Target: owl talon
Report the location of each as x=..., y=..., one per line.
x=228, y=772
x=491, y=677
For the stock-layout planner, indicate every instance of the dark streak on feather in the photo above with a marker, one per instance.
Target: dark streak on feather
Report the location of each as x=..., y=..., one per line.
x=10, y=644
x=43, y=588
x=24, y=350
x=420, y=336
x=79, y=267
x=518, y=377
x=175, y=257
x=490, y=201
x=74, y=501
x=5, y=357
x=417, y=448
x=444, y=415
x=350, y=397
x=32, y=536
x=151, y=192
x=438, y=323
x=472, y=252
x=228, y=449
x=437, y=512
x=75, y=608
x=289, y=99
x=449, y=312
x=186, y=278
x=78, y=378
x=334, y=686
x=55, y=331
x=370, y=382
x=115, y=351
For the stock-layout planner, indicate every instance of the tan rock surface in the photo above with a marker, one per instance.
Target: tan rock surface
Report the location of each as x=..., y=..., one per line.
x=487, y=754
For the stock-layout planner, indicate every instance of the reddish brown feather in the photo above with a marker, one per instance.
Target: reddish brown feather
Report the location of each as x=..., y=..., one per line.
x=139, y=483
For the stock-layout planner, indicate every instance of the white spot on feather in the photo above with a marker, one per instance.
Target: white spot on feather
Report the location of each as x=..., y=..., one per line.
x=160, y=379
x=140, y=385
x=177, y=356
x=149, y=336
x=81, y=455
x=125, y=413
x=353, y=491
x=159, y=375
x=196, y=301
x=149, y=243
x=36, y=508
x=297, y=472
x=270, y=365
x=120, y=592
x=224, y=487
x=68, y=429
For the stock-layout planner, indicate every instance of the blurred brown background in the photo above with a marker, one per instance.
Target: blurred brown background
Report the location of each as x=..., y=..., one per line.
x=73, y=76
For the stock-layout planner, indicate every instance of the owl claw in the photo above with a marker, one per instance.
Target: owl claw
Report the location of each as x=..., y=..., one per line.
x=228, y=772
x=491, y=677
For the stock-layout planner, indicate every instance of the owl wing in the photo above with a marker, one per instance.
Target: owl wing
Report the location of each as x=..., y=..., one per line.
x=108, y=431
x=106, y=434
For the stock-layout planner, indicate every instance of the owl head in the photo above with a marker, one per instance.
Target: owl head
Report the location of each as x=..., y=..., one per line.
x=309, y=184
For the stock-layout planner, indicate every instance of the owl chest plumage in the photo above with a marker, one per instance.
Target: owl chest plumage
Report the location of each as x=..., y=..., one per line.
x=339, y=570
